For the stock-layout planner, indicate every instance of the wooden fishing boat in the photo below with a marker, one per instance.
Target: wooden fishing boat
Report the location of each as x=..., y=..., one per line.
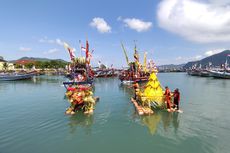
x=136, y=72
x=15, y=76
x=80, y=85
x=79, y=77
x=205, y=73
x=194, y=72
x=79, y=70
x=127, y=78
x=105, y=73
x=224, y=73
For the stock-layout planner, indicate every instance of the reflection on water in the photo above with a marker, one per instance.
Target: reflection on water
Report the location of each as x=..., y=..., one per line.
x=48, y=79
x=167, y=119
x=80, y=120
x=151, y=122
x=127, y=89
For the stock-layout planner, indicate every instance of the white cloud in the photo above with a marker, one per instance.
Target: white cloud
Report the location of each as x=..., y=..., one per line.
x=101, y=25
x=179, y=58
x=51, y=51
x=119, y=18
x=24, y=49
x=59, y=42
x=212, y=52
x=56, y=41
x=136, y=24
x=219, y=2
x=202, y=22
x=198, y=57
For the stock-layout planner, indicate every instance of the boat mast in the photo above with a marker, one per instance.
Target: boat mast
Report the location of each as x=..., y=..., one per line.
x=86, y=57
x=136, y=57
x=145, y=62
x=80, y=48
x=126, y=56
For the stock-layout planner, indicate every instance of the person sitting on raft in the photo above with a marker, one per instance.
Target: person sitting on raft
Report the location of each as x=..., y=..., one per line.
x=176, y=98
x=168, y=97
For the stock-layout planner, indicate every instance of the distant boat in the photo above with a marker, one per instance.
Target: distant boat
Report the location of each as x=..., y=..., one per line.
x=194, y=72
x=14, y=77
x=205, y=73
x=105, y=73
x=126, y=77
x=136, y=71
x=220, y=74
x=223, y=74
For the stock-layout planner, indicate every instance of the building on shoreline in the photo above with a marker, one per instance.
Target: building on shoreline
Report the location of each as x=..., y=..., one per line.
x=5, y=65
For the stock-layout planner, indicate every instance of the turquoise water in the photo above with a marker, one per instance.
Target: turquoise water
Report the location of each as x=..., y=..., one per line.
x=32, y=118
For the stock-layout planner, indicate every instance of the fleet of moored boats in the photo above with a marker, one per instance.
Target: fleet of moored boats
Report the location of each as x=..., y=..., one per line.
x=215, y=73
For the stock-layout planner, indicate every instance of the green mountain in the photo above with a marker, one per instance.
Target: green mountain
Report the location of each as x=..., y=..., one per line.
x=38, y=59
x=171, y=66
x=216, y=60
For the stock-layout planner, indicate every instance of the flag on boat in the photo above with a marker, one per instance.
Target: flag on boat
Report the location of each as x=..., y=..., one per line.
x=70, y=50
x=145, y=62
x=136, y=56
x=83, y=49
x=87, y=50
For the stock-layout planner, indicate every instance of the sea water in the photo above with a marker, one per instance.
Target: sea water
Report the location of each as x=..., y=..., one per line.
x=32, y=118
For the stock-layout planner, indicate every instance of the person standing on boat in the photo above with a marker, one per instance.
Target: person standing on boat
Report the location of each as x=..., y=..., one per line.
x=176, y=98
x=136, y=88
x=168, y=97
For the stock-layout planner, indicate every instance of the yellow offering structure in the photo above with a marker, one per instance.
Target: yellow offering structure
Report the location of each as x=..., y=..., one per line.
x=153, y=94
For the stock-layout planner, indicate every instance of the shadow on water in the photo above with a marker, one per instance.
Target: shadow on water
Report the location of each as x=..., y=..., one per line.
x=80, y=120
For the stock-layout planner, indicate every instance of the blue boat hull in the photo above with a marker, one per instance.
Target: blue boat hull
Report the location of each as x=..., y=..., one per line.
x=16, y=77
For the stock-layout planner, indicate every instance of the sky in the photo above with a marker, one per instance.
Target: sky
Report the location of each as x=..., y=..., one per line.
x=170, y=31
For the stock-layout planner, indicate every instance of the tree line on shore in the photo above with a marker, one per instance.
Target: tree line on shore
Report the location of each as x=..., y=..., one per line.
x=52, y=64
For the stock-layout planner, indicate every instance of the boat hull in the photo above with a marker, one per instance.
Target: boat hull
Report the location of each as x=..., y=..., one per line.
x=138, y=80
x=220, y=75
x=16, y=77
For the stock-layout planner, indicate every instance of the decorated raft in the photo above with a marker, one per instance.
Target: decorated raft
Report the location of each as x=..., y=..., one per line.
x=152, y=97
x=80, y=98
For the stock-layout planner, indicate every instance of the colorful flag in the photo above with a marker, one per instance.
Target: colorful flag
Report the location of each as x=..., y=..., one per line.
x=70, y=50
x=145, y=61
x=87, y=50
x=136, y=56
